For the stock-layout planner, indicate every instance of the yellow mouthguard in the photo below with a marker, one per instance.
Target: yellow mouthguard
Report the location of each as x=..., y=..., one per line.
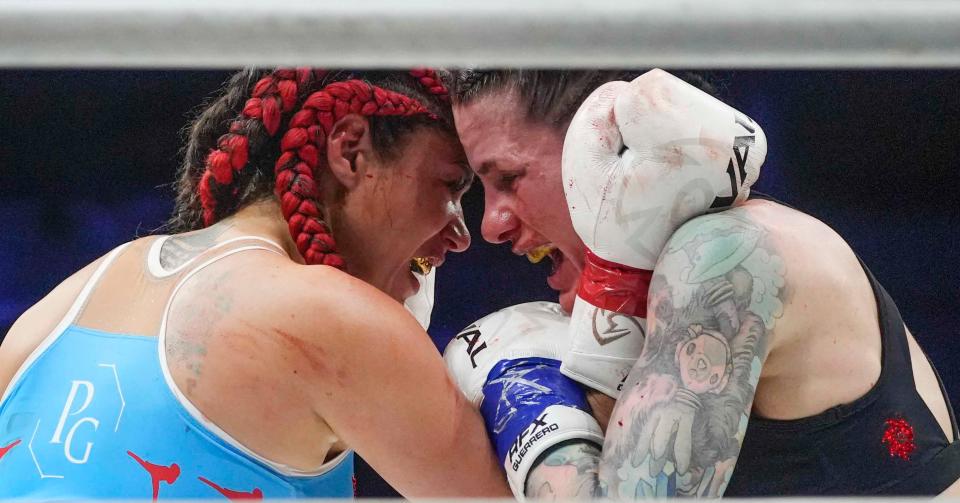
x=420, y=265
x=537, y=254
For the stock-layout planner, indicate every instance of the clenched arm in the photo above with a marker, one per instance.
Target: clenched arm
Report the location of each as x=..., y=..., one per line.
x=380, y=385
x=677, y=429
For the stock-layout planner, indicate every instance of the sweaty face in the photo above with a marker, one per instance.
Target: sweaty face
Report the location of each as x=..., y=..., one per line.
x=518, y=162
x=406, y=206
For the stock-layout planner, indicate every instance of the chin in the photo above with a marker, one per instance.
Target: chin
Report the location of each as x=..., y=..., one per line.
x=566, y=300
x=568, y=290
x=565, y=279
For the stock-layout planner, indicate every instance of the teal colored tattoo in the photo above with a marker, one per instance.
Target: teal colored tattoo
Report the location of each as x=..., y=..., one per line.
x=716, y=294
x=567, y=470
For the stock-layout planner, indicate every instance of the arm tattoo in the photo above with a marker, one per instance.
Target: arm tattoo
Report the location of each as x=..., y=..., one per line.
x=678, y=426
x=567, y=470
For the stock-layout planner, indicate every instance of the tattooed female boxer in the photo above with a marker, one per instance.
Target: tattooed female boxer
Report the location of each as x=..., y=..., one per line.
x=249, y=353
x=763, y=356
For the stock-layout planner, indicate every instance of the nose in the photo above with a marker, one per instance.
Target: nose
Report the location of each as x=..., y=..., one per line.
x=456, y=235
x=499, y=223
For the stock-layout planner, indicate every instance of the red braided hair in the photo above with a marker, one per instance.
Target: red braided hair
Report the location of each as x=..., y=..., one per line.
x=303, y=144
x=428, y=78
x=273, y=95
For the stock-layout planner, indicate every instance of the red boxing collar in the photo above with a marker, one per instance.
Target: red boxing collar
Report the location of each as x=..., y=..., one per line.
x=614, y=287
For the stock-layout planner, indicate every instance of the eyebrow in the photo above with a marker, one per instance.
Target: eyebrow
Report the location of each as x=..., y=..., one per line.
x=486, y=167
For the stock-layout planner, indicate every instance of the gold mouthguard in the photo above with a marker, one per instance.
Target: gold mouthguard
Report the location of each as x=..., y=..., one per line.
x=537, y=254
x=420, y=265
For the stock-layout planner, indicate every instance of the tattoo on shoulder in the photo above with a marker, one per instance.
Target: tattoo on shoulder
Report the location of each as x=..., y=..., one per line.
x=715, y=297
x=179, y=249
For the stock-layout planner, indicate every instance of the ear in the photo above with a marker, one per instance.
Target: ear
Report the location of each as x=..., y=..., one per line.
x=349, y=149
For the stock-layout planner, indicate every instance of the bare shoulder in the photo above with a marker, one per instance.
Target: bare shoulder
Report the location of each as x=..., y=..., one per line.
x=764, y=245
x=805, y=241
x=735, y=249
x=33, y=326
x=364, y=327
x=308, y=321
x=825, y=276
x=320, y=296
x=829, y=318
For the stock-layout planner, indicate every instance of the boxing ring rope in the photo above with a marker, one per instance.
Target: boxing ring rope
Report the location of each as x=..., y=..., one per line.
x=540, y=33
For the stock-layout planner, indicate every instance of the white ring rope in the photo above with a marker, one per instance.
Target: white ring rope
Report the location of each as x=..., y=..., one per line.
x=540, y=33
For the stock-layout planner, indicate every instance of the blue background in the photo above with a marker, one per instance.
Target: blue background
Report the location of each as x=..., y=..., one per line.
x=87, y=158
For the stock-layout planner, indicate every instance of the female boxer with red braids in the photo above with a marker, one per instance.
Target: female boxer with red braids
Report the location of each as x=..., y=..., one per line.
x=247, y=354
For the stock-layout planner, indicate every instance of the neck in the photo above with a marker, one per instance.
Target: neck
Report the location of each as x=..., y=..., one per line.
x=263, y=219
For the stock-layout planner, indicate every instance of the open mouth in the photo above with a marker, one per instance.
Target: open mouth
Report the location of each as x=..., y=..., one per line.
x=536, y=255
x=556, y=260
x=563, y=277
x=422, y=265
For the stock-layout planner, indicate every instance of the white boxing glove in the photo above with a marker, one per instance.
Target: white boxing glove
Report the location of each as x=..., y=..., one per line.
x=420, y=304
x=508, y=365
x=639, y=160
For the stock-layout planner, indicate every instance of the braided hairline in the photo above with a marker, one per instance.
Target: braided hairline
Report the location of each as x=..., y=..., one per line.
x=302, y=144
x=431, y=81
x=272, y=95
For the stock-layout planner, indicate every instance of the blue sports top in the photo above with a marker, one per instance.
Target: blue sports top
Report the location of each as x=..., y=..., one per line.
x=93, y=414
